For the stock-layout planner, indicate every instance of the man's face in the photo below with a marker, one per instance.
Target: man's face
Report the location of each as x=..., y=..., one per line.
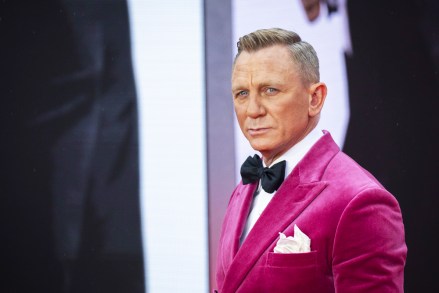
x=271, y=101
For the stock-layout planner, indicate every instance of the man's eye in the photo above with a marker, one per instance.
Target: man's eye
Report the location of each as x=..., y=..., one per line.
x=271, y=90
x=242, y=94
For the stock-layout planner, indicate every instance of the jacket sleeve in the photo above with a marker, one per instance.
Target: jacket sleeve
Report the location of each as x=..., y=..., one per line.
x=369, y=250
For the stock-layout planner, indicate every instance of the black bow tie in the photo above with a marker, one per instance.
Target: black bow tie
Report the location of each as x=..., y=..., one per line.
x=271, y=178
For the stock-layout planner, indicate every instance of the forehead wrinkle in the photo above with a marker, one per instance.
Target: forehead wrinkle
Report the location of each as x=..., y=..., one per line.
x=260, y=75
x=267, y=78
x=256, y=69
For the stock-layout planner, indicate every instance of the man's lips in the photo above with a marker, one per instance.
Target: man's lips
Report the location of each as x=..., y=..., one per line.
x=258, y=131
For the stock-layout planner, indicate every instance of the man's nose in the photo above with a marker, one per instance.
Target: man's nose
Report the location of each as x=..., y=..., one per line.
x=255, y=107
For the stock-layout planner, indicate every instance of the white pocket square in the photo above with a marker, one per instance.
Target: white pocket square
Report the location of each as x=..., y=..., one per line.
x=297, y=244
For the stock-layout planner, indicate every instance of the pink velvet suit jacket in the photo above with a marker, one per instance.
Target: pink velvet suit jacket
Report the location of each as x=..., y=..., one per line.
x=355, y=226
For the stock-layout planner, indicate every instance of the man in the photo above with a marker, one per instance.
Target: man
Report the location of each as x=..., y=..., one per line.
x=348, y=227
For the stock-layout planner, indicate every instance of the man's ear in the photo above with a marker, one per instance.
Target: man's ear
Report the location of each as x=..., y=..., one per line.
x=317, y=96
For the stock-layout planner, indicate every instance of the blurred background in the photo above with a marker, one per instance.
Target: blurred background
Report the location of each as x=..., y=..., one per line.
x=119, y=148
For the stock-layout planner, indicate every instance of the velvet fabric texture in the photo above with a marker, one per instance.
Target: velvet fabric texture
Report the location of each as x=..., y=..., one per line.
x=355, y=226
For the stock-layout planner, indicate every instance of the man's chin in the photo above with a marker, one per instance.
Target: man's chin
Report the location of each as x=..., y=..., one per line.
x=260, y=147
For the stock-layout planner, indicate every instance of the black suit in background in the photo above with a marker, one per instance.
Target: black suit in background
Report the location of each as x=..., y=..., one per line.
x=393, y=129
x=70, y=183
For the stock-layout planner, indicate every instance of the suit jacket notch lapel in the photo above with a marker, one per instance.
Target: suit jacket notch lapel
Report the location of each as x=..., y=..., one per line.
x=287, y=204
x=235, y=221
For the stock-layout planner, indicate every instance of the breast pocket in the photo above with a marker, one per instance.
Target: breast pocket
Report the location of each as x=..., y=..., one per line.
x=292, y=272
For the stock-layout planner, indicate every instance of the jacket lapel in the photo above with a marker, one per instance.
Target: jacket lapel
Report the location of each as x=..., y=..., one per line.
x=297, y=192
x=235, y=220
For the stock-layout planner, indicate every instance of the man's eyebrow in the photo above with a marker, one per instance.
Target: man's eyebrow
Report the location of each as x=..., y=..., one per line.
x=238, y=86
x=265, y=83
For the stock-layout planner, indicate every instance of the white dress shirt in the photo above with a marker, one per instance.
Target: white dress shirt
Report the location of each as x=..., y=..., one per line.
x=292, y=157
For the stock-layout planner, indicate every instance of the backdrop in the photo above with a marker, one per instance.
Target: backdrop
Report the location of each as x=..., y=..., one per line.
x=119, y=144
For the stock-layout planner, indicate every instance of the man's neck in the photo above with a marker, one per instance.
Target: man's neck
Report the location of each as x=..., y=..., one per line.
x=269, y=159
x=296, y=153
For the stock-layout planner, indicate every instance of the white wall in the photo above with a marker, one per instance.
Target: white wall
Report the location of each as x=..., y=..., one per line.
x=169, y=68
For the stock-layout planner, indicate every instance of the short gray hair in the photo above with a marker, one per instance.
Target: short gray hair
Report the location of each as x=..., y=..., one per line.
x=302, y=53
